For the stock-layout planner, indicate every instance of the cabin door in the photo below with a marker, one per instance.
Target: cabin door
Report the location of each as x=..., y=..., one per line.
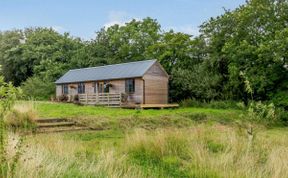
x=103, y=87
x=100, y=87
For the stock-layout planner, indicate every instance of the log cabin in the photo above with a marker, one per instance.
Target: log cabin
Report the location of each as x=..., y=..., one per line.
x=126, y=84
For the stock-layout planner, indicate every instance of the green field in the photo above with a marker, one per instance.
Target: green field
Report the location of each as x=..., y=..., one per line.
x=184, y=142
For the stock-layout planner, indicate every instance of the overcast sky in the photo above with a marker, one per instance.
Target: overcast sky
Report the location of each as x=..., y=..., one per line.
x=83, y=17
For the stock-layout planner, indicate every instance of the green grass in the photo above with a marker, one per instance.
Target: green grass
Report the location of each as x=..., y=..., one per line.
x=184, y=142
x=64, y=110
x=123, y=119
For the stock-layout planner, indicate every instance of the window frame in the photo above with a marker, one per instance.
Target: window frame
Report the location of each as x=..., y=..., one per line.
x=130, y=86
x=81, y=88
x=65, y=90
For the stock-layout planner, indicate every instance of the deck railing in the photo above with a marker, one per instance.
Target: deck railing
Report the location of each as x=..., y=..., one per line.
x=108, y=99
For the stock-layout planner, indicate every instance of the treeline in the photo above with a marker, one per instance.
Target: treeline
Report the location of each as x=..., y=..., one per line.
x=239, y=55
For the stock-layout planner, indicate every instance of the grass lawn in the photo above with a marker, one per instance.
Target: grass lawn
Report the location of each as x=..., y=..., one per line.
x=184, y=142
x=63, y=110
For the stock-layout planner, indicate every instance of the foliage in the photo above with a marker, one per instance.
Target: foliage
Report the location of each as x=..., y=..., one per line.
x=241, y=41
x=195, y=83
x=8, y=95
x=213, y=104
x=281, y=99
x=248, y=44
x=118, y=44
x=35, y=51
x=258, y=111
x=38, y=89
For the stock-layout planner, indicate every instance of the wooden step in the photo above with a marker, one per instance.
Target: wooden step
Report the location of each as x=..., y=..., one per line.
x=50, y=120
x=56, y=124
x=60, y=129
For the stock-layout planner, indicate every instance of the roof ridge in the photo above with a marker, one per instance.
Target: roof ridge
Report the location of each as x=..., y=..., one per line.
x=113, y=64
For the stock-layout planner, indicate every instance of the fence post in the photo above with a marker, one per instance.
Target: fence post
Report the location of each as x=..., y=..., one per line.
x=86, y=98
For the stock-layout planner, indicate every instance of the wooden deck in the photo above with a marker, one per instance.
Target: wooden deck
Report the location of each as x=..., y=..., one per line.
x=150, y=106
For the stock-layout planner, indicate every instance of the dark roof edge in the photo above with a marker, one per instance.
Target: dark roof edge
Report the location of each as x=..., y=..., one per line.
x=113, y=64
x=98, y=80
x=155, y=61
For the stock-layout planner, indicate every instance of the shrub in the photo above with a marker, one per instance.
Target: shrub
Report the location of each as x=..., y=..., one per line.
x=192, y=103
x=282, y=115
x=38, y=89
x=8, y=96
x=281, y=99
x=265, y=113
x=226, y=104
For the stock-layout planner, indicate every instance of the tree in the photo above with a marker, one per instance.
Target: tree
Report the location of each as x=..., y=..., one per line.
x=14, y=68
x=248, y=40
x=126, y=43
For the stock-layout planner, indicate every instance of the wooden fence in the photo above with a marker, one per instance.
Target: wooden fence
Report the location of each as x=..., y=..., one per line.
x=108, y=99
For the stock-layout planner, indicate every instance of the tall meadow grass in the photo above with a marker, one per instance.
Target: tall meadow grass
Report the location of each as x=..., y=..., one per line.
x=202, y=151
x=22, y=116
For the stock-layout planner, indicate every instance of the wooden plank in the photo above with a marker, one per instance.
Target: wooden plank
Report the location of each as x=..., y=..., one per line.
x=159, y=105
x=151, y=106
x=156, y=86
x=101, y=99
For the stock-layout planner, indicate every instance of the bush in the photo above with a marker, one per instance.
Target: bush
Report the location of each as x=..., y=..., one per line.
x=282, y=116
x=226, y=104
x=38, y=89
x=280, y=99
x=259, y=111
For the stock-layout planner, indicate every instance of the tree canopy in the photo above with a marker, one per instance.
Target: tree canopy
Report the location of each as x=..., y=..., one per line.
x=246, y=44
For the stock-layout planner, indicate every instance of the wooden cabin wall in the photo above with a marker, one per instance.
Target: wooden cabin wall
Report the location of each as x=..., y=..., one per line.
x=58, y=90
x=118, y=86
x=156, y=85
x=72, y=89
x=138, y=95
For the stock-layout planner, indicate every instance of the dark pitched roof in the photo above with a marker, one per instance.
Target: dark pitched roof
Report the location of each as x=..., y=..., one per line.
x=108, y=72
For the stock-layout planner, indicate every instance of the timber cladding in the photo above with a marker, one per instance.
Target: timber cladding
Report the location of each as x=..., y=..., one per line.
x=149, y=84
x=156, y=85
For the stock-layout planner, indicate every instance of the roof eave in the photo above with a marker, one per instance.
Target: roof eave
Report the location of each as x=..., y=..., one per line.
x=121, y=78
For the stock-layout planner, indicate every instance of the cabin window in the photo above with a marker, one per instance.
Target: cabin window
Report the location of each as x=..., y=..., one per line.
x=95, y=87
x=130, y=86
x=65, y=89
x=81, y=88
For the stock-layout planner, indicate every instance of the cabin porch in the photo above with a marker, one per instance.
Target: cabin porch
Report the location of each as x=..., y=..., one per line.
x=118, y=100
x=106, y=99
